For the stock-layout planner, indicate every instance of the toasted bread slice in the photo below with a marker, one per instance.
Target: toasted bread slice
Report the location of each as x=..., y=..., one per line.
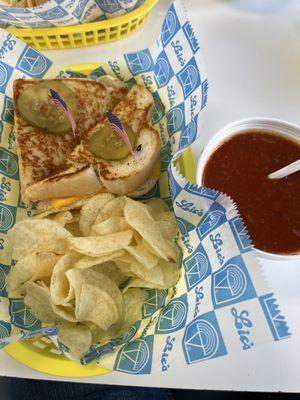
x=41, y=154
x=131, y=175
x=126, y=176
x=75, y=181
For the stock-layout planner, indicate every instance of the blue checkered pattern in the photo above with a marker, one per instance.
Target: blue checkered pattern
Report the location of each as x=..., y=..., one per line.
x=65, y=12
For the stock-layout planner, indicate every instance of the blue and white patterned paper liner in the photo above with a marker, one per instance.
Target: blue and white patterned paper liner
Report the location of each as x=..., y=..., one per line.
x=65, y=12
x=221, y=303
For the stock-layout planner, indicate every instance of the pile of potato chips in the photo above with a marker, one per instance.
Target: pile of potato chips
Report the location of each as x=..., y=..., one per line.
x=86, y=269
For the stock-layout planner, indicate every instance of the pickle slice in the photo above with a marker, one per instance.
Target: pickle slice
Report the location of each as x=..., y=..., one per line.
x=108, y=145
x=36, y=106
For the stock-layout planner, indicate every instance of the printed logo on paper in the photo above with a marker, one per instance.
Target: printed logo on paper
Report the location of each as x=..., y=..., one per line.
x=174, y=185
x=201, y=191
x=5, y=73
x=215, y=217
x=240, y=234
x=80, y=8
x=7, y=217
x=191, y=37
x=189, y=78
x=5, y=329
x=232, y=283
x=8, y=110
x=100, y=71
x=176, y=119
x=41, y=24
x=189, y=134
x=135, y=357
x=6, y=16
x=183, y=225
x=203, y=339
x=159, y=108
x=130, y=333
x=21, y=11
x=204, y=93
x=54, y=13
x=38, y=332
x=8, y=163
x=20, y=315
x=275, y=319
x=173, y=317
x=108, y=6
x=170, y=26
x=165, y=156
x=197, y=267
x=4, y=270
x=163, y=71
x=51, y=331
x=33, y=63
x=155, y=300
x=138, y=62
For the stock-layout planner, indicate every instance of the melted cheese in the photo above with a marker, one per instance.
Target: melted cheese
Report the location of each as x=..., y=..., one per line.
x=64, y=201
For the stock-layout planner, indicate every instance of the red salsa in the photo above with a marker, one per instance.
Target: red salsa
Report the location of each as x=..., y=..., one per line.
x=269, y=208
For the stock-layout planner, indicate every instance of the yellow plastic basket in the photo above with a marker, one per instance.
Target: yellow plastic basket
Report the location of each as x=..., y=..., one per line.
x=40, y=353
x=89, y=34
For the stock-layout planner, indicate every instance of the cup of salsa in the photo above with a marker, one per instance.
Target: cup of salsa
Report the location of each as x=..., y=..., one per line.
x=238, y=160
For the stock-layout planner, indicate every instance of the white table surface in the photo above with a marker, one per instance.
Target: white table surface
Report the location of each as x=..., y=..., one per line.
x=253, y=65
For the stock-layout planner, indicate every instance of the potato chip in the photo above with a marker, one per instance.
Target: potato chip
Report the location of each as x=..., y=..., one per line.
x=96, y=246
x=166, y=216
x=74, y=228
x=91, y=209
x=63, y=217
x=141, y=254
x=75, y=215
x=60, y=290
x=98, y=306
x=98, y=334
x=138, y=217
x=170, y=272
x=124, y=267
x=139, y=283
x=167, y=224
x=35, y=235
x=37, y=300
x=111, y=270
x=97, y=298
x=78, y=338
x=113, y=208
x=31, y=267
x=133, y=301
x=66, y=312
x=43, y=284
x=88, y=262
x=153, y=275
x=156, y=205
x=111, y=225
x=168, y=228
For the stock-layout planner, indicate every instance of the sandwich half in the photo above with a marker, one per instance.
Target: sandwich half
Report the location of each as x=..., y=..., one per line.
x=43, y=153
x=100, y=160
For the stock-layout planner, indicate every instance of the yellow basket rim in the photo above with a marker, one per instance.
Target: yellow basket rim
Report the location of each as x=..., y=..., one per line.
x=79, y=28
